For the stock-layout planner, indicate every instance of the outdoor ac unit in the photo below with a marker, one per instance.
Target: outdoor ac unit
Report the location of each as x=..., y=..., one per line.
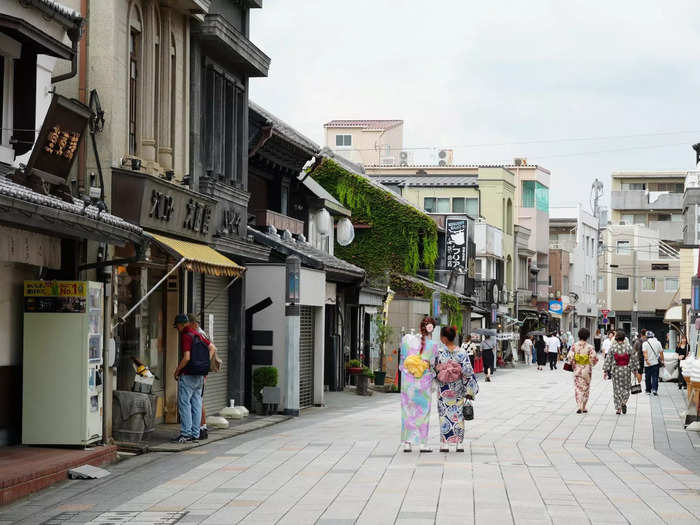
x=403, y=158
x=520, y=161
x=445, y=157
x=387, y=161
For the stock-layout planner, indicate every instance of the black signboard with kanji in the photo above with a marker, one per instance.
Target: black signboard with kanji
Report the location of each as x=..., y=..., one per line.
x=456, y=235
x=56, y=147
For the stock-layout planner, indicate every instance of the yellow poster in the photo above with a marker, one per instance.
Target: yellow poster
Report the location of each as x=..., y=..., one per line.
x=55, y=289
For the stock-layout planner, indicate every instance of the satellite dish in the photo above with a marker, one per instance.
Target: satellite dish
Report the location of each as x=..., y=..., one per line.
x=346, y=232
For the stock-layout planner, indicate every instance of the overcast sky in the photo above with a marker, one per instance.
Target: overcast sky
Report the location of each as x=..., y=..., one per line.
x=462, y=73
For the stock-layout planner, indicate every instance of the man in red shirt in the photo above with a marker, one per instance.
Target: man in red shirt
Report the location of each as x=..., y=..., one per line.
x=190, y=374
x=194, y=327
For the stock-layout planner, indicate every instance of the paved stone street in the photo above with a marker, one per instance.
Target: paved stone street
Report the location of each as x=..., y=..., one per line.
x=529, y=459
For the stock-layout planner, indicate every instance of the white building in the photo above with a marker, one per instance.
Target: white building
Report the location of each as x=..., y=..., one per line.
x=573, y=229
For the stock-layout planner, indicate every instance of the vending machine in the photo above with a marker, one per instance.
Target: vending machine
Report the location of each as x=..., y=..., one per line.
x=62, y=360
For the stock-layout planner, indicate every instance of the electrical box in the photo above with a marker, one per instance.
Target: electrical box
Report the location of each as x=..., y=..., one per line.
x=62, y=363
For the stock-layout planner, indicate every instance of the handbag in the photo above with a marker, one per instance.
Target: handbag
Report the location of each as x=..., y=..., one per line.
x=636, y=388
x=568, y=367
x=468, y=411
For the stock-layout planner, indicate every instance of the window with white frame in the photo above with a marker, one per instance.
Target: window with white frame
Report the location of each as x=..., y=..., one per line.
x=671, y=284
x=477, y=270
x=601, y=283
x=343, y=141
x=10, y=50
x=648, y=284
x=623, y=248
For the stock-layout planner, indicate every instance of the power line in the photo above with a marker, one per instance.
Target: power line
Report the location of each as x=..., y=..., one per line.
x=536, y=141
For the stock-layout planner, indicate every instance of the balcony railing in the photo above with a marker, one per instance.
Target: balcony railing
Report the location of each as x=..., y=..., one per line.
x=279, y=221
x=645, y=200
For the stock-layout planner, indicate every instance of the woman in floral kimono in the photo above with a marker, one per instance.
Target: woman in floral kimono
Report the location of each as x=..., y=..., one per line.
x=417, y=353
x=620, y=361
x=583, y=358
x=457, y=383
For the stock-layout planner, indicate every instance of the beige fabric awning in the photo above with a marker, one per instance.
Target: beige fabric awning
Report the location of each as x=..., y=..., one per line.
x=200, y=257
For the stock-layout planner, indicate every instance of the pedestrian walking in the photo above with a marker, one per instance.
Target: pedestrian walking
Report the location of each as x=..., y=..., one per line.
x=526, y=347
x=620, y=362
x=469, y=347
x=488, y=349
x=583, y=358
x=197, y=353
x=456, y=385
x=607, y=343
x=541, y=349
x=653, y=358
x=597, y=340
x=553, y=345
x=682, y=351
x=417, y=354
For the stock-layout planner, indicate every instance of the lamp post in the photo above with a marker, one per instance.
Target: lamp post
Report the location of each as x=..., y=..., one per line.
x=292, y=312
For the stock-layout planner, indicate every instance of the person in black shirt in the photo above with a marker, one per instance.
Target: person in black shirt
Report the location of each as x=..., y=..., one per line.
x=682, y=351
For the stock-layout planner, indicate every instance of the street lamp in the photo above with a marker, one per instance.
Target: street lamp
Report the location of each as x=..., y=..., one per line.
x=292, y=298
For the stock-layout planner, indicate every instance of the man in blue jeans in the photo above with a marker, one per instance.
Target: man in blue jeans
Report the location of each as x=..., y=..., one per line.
x=197, y=352
x=653, y=358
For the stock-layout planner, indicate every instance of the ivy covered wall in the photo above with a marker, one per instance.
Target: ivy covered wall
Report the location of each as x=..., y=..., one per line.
x=389, y=235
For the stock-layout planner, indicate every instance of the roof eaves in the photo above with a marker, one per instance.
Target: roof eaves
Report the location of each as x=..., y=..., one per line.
x=62, y=14
x=285, y=131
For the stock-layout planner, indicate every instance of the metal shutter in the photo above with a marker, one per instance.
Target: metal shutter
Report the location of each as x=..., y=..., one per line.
x=306, y=358
x=216, y=389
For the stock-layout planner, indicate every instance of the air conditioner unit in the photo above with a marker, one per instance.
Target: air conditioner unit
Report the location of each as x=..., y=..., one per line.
x=445, y=157
x=386, y=161
x=520, y=161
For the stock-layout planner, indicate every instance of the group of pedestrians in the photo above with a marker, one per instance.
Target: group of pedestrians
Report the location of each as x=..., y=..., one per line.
x=445, y=365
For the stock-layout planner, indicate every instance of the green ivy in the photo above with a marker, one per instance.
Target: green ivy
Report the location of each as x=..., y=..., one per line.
x=454, y=310
x=398, y=237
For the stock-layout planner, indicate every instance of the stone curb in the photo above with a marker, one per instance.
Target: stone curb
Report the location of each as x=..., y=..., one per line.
x=214, y=435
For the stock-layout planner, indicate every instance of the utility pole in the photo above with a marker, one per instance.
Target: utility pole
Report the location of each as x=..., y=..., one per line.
x=635, y=303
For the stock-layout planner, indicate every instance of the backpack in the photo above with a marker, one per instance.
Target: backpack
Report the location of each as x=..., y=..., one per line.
x=199, y=358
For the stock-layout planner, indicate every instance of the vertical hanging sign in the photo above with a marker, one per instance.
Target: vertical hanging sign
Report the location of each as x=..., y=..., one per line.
x=456, y=242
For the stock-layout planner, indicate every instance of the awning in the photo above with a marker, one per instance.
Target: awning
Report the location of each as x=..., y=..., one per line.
x=199, y=257
x=674, y=314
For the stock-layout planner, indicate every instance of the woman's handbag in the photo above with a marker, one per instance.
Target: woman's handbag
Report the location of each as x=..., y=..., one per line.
x=468, y=411
x=568, y=367
x=636, y=388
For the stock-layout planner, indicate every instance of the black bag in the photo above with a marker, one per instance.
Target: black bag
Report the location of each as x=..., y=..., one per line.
x=468, y=411
x=199, y=363
x=636, y=388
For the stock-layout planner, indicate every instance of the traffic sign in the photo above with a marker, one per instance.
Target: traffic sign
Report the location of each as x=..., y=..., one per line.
x=605, y=320
x=605, y=312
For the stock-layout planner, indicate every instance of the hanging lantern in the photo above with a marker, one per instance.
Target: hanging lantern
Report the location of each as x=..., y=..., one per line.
x=346, y=232
x=324, y=222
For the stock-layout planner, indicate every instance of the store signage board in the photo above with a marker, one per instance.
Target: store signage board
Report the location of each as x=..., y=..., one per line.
x=555, y=307
x=456, y=235
x=55, y=289
x=55, y=296
x=60, y=137
x=161, y=206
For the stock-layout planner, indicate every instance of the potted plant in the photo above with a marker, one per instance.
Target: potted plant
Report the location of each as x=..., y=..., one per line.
x=384, y=333
x=264, y=376
x=363, y=381
x=354, y=367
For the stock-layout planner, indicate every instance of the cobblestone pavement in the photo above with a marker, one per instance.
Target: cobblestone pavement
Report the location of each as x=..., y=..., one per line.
x=529, y=459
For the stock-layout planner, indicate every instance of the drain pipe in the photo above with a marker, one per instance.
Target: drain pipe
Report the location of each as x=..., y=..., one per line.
x=74, y=34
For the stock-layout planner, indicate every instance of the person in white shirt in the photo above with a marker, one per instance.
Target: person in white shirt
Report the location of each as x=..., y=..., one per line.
x=653, y=358
x=553, y=346
x=469, y=347
x=607, y=343
x=526, y=347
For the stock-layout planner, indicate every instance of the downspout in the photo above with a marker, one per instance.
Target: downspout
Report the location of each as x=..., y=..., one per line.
x=74, y=34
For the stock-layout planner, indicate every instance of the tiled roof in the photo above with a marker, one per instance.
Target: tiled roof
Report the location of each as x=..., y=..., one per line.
x=308, y=254
x=363, y=124
x=285, y=130
x=453, y=181
x=53, y=6
x=16, y=191
x=358, y=170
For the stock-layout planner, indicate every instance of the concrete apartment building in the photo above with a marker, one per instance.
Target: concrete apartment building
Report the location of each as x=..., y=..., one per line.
x=650, y=198
x=638, y=278
x=575, y=231
x=367, y=142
